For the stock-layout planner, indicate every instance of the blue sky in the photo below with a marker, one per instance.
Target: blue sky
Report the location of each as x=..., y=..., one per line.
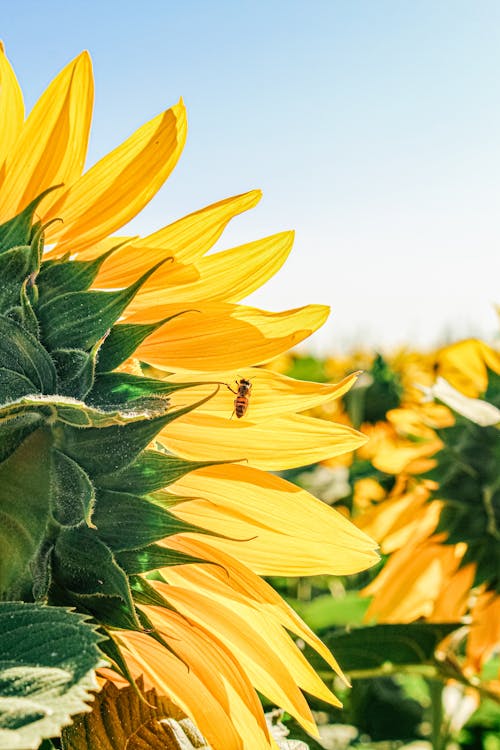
x=373, y=128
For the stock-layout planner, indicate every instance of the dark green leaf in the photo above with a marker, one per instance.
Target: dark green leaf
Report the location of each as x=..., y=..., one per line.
x=14, y=431
x=47, y=661
x=374, y=646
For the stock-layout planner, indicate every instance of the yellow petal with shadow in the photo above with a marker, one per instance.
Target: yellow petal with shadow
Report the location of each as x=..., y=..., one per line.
x=271, y=525
x=272, y=394
x=12, y=107
x=218, y=335
x=266, y=652
x=193, y=691
x=278, y=443
x=228, y=276
x=115, y=189
x=229, y=572
x=52, y=145
x=412, y=581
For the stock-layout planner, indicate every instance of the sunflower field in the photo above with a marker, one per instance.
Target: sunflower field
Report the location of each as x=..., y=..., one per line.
x=198, y=526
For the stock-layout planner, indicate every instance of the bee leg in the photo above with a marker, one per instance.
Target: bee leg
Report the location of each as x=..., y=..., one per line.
x=231, y=389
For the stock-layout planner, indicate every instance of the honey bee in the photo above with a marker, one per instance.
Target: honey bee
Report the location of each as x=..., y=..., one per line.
x=242, y=399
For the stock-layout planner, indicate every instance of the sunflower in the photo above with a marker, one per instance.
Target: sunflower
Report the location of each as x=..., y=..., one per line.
x=128, y=492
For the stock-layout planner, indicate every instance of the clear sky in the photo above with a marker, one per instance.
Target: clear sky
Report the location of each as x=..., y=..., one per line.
x=372, y=126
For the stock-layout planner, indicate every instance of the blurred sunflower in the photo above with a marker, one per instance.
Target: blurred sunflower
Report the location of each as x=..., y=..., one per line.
x=116, y=439
x=440, y=523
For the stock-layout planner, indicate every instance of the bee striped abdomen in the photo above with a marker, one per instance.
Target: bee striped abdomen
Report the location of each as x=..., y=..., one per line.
x=240, y=406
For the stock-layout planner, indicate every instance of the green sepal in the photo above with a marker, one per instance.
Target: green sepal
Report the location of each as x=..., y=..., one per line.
x=41, y=571
x=152, y=470
x=14, y=269
x=77, y=320
x=113, y=653
x=152, y=632
x=85, y=568
x=152, y=557
x=73, y=494
x=107, y=449
x=29, y=321
x=24, y=513
x=14, y=431
x=21, y=353
x=144, y=593
x=20, y=229
x=58, y=277
x=69, y=412
x=75, y=371
x=123, y=340
x=126, y=522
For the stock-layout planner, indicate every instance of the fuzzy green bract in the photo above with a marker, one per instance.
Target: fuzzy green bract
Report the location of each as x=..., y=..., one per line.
x=82, y=501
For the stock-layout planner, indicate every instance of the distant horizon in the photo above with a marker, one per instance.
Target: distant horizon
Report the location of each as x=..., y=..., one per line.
x=372, y=128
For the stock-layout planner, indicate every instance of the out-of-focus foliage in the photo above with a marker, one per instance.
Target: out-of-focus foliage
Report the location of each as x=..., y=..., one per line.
x=426, y=486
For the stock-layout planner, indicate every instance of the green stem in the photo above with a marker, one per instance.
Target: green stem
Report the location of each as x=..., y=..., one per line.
x=438, y=738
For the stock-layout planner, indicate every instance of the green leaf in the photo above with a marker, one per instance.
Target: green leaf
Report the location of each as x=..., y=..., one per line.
x=126, y=522
x=77, y=320
x=108, y=449
x=374, y=646
x=21, y=353
x=325, y=612
x=47, y=660
x=151, y=471
x=122, y=719
x=20, y=230
x=152, y=557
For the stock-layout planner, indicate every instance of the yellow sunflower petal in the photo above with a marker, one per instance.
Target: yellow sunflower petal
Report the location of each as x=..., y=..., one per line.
x=273, y=526
x=228, y=276
x=231, y=572
x=189, y=690
x=218, y=668
x=11, y=106
x=272, y=394
x=52, y=146
x=464, y=365
x=412, y=581
x=275, y=444
x=267, y=654
x=115, y=189
x=219, y=336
